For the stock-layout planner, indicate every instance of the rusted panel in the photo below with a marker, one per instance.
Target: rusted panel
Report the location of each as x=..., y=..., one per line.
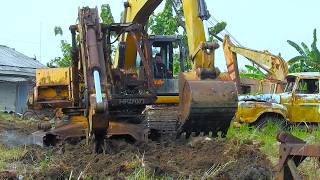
x=75, y=89
x=53, y=89
x=303, y=149
x=207, y=105
x=288, y=138
x=52, y=76
x=292, y=151
x=54, y=136
x=146, y=64
x=232, y=63
x=304, y=107
x=251, y=108
x=137, y=131
x=77, y=128
x=92, y=59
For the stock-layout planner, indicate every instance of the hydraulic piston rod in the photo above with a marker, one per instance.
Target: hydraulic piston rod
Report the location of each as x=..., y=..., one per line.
x=97, y=86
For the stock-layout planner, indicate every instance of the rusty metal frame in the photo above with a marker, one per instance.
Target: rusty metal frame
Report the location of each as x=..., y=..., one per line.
x=78, y=129
x=292, y=152
x=136, y=30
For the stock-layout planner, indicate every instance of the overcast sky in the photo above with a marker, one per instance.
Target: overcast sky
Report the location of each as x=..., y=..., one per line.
x=261, y=25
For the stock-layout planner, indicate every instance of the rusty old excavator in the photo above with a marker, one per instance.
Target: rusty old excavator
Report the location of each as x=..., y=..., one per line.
x=275, y=66
x=108, y=96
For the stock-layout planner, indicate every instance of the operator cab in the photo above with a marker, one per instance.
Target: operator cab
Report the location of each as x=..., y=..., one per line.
x=169, y=49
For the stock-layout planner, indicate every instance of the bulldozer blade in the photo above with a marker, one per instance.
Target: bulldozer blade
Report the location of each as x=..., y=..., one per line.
x=207, y=106
x=77, y=130
x=61, y=133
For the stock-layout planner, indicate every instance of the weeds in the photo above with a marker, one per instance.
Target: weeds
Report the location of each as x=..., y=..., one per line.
x=8, y=154
x=214, y=170
x=6, y=116
x=266, y=137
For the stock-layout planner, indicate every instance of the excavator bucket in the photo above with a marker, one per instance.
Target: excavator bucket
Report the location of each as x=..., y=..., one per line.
x=207, y=106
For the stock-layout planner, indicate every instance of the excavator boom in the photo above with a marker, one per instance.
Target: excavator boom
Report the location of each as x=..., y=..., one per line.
x=275, y=66
x=206, y=104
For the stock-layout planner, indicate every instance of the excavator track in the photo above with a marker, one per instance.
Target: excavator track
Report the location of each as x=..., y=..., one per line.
x=162, y=121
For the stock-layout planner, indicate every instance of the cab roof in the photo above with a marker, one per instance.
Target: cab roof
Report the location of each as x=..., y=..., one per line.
x=305, y=74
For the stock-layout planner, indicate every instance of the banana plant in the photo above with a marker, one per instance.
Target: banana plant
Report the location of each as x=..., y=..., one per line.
x=308, y=59
x=252, y=72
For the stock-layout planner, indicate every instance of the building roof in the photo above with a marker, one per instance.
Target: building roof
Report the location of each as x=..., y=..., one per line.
x=16, y=64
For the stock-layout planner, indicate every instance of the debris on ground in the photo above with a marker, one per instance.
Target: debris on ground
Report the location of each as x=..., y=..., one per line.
x=200, y=157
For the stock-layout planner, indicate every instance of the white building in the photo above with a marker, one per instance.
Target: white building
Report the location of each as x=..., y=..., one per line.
x=17, y=74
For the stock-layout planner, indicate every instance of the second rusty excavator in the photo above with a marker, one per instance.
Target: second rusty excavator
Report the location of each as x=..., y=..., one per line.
x=108, y=100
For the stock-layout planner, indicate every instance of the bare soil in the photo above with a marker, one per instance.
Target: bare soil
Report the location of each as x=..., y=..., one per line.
x=197, y=158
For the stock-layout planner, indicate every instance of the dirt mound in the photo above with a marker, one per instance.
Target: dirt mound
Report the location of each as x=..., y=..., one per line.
x=8, y=175
x=32, y=155
x=20, y=126
x=202, y=157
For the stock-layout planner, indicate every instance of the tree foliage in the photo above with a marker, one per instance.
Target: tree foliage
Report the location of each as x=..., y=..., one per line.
x=252, y=72
x=215, y=30
x=58, y=31
x=106, y=14
x=308, y=59
x=164, y=23
x=65, y=59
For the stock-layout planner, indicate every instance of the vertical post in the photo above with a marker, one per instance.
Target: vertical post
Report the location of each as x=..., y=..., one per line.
x=74, y=68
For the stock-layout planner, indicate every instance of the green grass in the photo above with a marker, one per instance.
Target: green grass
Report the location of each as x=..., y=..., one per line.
x=44, y=163
x=6, y=116
x=266, y=137
x=8, y=154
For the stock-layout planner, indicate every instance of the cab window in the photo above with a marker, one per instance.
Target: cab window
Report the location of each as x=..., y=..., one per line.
x=290, y=83
x=308, y=86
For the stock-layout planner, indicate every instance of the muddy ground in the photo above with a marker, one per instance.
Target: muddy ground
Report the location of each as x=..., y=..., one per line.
x=200, y=157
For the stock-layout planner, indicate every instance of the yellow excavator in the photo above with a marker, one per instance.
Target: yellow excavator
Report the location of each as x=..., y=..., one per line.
x=109, y=95
x=206, y=102
x=275, y=66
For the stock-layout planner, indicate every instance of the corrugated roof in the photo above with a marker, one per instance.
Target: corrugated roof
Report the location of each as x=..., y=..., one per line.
x=13, y=62
x=13, y=79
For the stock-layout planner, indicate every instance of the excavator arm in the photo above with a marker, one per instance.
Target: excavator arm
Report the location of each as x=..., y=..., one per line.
x=139, y=12
x=206, y=103
x=134, y=12
x=94, y=72
x=275, y=66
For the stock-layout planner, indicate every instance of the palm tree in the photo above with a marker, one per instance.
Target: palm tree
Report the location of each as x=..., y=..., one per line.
x=308, y=59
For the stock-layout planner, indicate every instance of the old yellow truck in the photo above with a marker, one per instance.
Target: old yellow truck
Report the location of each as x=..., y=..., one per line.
x=299, y=103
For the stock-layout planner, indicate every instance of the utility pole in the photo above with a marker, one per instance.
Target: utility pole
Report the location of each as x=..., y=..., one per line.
x=40, y=44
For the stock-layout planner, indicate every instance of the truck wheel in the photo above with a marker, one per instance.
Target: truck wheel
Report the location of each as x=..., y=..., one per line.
x=263, y=121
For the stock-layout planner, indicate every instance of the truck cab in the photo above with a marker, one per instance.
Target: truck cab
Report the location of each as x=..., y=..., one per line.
x=300, y=102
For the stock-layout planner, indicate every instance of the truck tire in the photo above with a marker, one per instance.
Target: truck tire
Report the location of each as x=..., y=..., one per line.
x=263, y=121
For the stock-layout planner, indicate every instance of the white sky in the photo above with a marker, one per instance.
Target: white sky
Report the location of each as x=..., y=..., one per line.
x=255, y=24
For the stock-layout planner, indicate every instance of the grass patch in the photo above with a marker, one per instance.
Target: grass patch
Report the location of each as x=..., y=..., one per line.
x=9, y=154
x=44, y=163
x=7, y=116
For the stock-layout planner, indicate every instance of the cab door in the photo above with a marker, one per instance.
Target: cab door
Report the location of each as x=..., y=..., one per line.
x=305, y=101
